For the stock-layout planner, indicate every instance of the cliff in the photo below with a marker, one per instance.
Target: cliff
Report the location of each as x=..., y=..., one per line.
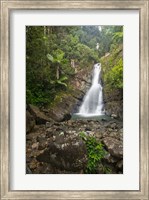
x=112, y=78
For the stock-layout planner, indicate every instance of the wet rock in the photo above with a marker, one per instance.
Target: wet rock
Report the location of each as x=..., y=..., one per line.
x=114, y=146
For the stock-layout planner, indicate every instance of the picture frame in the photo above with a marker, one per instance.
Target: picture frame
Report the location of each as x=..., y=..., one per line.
x=6, y=7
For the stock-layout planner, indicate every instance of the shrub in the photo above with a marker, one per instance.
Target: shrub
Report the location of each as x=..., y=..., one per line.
x=95, y=152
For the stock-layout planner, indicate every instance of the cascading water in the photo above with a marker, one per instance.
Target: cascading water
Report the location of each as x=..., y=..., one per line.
x=92, y=104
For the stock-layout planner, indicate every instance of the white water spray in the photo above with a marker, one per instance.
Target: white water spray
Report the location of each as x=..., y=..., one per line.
x=93, y=101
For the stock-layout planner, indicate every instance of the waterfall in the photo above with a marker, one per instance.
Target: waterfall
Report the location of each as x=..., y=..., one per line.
x=92, y=104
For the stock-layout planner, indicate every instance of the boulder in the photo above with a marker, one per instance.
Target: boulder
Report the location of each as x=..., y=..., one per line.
x=114, y=146
x=108, y=158
x=59, y=115
x=30, y=122
x=39, y=116
x=62, y=109
x=65, y=152
x=114, y=109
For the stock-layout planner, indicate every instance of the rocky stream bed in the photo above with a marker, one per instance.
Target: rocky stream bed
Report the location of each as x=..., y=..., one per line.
x=57, y=148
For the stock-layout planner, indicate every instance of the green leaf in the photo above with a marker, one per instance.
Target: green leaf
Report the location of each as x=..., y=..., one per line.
x=63, y=78
x=60, y=57
x=61, y=83
x=50, y=57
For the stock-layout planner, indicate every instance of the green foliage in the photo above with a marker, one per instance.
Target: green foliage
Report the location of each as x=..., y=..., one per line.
x=114, y=77
x=86, y=53
x=29, y=97
x=112, y=69
x=50, y=49
x=95, y=152
x=117, y=37
x=39, y=98
x=58, y=56
x=62, y=80
x=58, y=59
x=111, y=38
x=50, y=57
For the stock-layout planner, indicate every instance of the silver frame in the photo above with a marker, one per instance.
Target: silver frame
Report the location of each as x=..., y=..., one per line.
x=143, y=7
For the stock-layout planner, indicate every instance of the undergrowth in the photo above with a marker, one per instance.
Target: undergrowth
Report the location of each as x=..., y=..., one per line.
x=95, y=153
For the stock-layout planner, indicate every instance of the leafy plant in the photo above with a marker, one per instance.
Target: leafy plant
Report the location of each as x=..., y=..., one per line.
x=95, y=152
x=114, y=77
x=117, y=37
x=61, y=81
x=57, y=57
x=50, y=57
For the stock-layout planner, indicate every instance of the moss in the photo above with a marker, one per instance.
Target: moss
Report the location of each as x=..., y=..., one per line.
x=59, y=98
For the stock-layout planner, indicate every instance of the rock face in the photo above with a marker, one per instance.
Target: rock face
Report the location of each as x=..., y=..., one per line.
x=65, y=152
x=112, y=78
x=113, y=102
x=65, y=104
x=39, y=116
x=30, y=122
x=62, y=110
